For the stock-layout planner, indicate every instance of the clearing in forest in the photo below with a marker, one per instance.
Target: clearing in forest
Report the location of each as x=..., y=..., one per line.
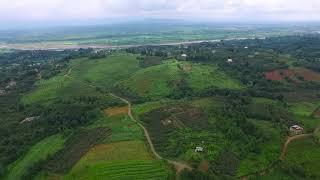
x=116, y=111
x=295, y=74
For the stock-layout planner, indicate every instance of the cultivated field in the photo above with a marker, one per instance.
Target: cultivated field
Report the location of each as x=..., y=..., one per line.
x=37, y=153
x=124, y=160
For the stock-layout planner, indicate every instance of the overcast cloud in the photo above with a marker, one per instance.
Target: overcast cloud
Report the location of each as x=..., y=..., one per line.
x=214, y=10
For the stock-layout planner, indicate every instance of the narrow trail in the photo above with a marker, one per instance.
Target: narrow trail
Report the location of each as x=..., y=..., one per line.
x=179, y=166
x=283, y=152
x=294, y=138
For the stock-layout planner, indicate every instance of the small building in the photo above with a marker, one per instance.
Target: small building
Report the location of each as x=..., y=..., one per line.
x=183, y=57
x=29, y=119
x=229, y=60
x=11, y=84
x=2, y=92
x=295, y=129
x=246, y=47
x=198, y=149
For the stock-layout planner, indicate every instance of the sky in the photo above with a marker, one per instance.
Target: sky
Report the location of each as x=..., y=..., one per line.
x=59, y=11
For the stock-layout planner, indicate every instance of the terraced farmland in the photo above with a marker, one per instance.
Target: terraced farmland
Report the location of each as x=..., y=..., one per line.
x=122, y=160
x=38, y=152
x=163, y=80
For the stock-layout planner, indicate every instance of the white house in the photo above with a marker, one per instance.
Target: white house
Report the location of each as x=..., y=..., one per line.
x=198, y=149
x=296, y=129
x=229, y=60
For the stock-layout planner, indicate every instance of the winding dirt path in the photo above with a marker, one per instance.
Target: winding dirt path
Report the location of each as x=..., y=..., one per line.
x=283, y=152
x=294, y=138
x=179, y=166
x=288, y=141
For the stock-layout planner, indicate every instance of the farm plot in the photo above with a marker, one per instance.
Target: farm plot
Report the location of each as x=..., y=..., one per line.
x=123, y=128
x=38, y=152
x=124, y=160
x=305, y=114
x=160, y=81
x=116, y=111
x=306, y=154
x=82, y=75
x=75, y=147
x=46, y=90
x=152, y=82
x=178, y=128
x=106, y=72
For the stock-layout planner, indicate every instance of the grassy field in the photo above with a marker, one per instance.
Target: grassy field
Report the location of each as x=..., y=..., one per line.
x=108, y=71
x=78, y=144
x=306, y=154
x=162, y=80
x=153, y=82
x=301, y=162
x=303, y=108
x=38, y=152
x=207, y=76
x=121, y=160
x=123, y=128
x=303, y=112
x=103, y=73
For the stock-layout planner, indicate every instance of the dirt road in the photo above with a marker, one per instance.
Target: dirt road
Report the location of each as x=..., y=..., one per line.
x=293, y=138
x=179, y=166
x=288, y=141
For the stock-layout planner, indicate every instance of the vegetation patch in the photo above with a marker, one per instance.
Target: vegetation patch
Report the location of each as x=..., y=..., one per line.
x=116, y=111
x=268, y=151
x=316, y=113
x=303, y=158
x=147, y=61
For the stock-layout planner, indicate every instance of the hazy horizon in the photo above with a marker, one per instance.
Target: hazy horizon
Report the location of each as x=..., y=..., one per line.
x=29, y=13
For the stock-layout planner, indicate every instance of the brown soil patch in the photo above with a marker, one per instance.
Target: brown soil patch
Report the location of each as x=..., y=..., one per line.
x=273, y=76
x=308, y=74
x=116, y=111
x=186, y=67
x=316, y=113
x=293, y=74
x=204, y=166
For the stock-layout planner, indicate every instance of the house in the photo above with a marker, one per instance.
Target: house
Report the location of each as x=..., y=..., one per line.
x=11, y=84
x=198, y=149
x=183, y=57
x=29, y=119
x=295, y=129
x=246, y=47
x=2, y=92
x=229, y=60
